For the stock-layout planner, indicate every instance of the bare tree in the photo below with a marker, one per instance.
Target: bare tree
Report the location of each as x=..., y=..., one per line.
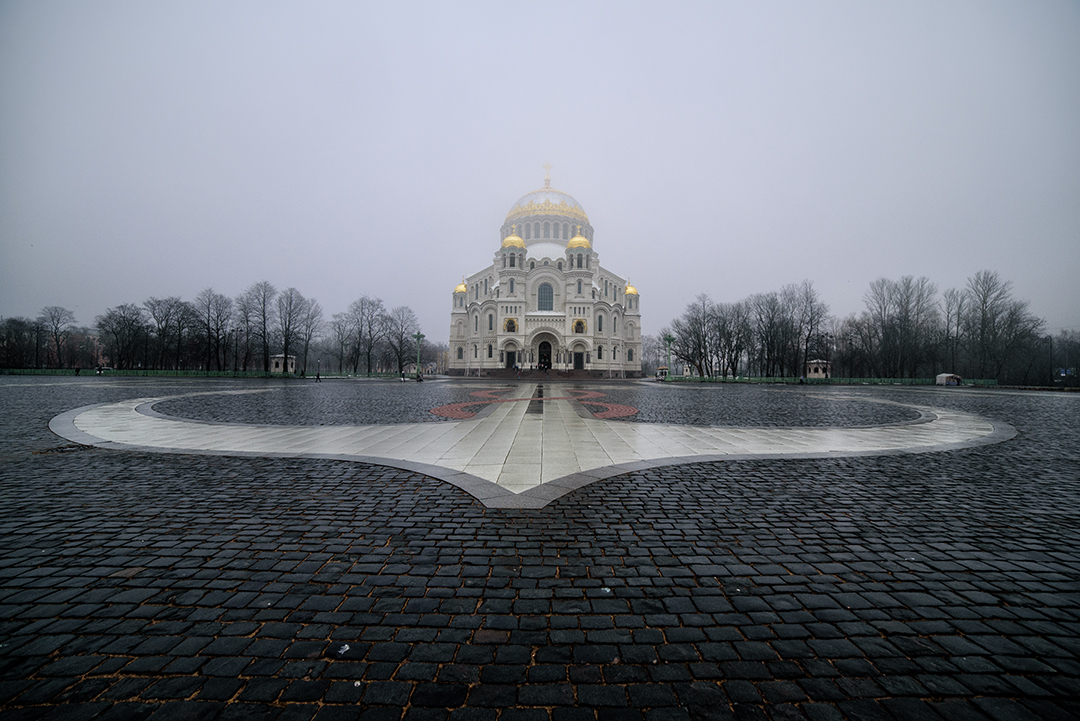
x=767, y=321
x=256, y=306
x=341, y=335
x=954, y=306
x=122, y=329
x=168, y=317
x=401, y=323
x=733, y=335
x=998, y=326
x=18, y=338
x=290, y=311
x=813, y=313
x=651, y=354
x=58, y=323
x=311, y=325
x=691, y=333
x=214, y=312
x=369, y=318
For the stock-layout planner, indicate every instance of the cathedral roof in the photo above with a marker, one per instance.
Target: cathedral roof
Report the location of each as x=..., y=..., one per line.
x=547, y=201
x=546, y=250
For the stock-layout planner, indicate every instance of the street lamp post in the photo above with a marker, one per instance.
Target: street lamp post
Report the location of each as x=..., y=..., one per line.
x=419, y=337
x=669, y=339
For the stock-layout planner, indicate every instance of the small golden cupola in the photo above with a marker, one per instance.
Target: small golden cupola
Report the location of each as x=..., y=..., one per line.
x=461, y=287
x=579, y=241
x=512, y=240
x=630, y=290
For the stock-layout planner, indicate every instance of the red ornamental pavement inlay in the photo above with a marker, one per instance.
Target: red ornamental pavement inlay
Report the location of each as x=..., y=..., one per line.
x=468, y=409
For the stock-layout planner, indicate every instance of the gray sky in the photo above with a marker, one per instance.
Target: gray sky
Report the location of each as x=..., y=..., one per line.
x=155, y=149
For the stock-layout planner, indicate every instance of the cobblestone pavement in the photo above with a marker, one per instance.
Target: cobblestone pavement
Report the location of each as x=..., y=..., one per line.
x=931, y=586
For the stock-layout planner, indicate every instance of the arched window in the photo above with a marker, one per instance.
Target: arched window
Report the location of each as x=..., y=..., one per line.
x=560, y=265
x=512, y=259
x=532, y=265
x=536, y=229
x=615, y=324
x=580, y=264
x=566, y=231
x=460, y=353
x=474, y=352
x=599, y=324
x=545, y=297
x=630, y=355
x=528, y=232
x=579, y=287
x=491, y=321
x=586, y=261
x=600, y=352
x=476, y=323
x=547, y=229
x=489, y=350
x=511, y=286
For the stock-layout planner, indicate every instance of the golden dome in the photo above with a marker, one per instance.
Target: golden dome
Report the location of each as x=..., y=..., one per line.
x=630, y=290
x=547, y=201
x=579, y=241
x=462, y=288
x=512, y=240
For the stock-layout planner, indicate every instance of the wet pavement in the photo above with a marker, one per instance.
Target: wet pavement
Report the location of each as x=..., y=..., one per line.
x=363, y=402
x=936, y=585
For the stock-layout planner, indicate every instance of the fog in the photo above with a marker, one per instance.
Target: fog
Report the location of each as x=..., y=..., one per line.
x=156, y=149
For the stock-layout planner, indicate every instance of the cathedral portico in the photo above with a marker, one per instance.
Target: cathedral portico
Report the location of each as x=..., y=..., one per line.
x=545, y=300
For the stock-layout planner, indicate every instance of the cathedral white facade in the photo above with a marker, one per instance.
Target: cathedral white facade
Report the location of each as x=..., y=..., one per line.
x=545, y=301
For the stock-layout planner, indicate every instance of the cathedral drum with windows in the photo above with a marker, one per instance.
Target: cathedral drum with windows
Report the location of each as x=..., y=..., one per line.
x=546, y=302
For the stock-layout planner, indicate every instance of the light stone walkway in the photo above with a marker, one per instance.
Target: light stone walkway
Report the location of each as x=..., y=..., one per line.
x=513, y=458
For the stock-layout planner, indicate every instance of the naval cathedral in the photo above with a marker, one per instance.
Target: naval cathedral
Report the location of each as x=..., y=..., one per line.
x=545, y=302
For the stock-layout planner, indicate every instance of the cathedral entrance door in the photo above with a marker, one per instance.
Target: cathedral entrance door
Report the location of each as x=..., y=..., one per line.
x=511, y=358
x=579, y=361
x=545, y=354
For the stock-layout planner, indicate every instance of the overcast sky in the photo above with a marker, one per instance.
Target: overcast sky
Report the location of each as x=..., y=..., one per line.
x=155, y=149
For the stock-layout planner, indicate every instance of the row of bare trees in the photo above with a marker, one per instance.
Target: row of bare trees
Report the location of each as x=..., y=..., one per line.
x=216, y=332
x=52, y=340
x=367, y=336
x=767, y=334
x=907, y=330
x=213, y=331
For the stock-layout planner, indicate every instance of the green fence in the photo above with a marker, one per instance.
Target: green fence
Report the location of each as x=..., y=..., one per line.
x=832, y=381
x=175, y=374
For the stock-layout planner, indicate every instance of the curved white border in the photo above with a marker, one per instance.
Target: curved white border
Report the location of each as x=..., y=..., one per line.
x=552, y=459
